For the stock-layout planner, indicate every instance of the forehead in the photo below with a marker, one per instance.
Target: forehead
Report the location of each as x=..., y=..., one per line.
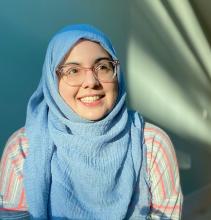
x=86, y=50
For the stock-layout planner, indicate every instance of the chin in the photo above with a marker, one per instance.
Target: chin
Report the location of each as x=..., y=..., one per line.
x=93, y=116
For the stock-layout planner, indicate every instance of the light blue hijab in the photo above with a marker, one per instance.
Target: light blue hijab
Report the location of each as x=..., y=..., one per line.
x=76, y=168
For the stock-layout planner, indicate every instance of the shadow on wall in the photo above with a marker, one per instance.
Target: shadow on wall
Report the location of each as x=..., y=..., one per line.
x=194, y=161
x=168, y=84
x=197, y=205
x=162, y=63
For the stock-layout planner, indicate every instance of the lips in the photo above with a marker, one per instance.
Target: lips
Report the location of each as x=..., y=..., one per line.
x=91, y=99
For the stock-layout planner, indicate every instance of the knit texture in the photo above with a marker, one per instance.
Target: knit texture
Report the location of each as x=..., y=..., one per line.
x=76, y=168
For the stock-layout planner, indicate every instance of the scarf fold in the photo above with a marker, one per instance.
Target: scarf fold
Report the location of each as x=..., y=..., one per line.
x=76, y=168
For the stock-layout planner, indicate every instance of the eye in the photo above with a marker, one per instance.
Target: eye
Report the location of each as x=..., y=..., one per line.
x=73, y=70
x=104, y=66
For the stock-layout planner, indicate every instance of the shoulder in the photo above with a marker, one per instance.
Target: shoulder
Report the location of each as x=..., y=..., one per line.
x=160, y=150
x=18, y=135
x=163, y=173
x=15, y=149
x=152, y=132
x=157, y=141
x=11, y=171
x=17, y=142
x=162, y=163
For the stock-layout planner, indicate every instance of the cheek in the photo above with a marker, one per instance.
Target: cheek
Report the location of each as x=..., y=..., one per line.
x=66, y=92
x=113, y=94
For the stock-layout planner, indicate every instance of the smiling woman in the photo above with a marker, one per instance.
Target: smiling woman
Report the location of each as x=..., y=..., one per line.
x=90, y=92
x=82, y=154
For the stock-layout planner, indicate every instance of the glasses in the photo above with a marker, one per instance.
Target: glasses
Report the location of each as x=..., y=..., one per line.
x=74, y=75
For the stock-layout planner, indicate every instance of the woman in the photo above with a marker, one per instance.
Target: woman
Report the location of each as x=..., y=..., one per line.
x=82, y=154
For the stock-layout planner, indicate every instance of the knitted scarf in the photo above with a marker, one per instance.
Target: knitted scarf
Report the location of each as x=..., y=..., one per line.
x=76, y=168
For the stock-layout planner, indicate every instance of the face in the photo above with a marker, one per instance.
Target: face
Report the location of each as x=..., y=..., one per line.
x=93, y=99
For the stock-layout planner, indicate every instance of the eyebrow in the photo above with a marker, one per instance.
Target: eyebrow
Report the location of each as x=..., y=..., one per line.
x=96, y=61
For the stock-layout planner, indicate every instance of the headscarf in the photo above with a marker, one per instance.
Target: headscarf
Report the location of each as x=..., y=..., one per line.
x=77, y=168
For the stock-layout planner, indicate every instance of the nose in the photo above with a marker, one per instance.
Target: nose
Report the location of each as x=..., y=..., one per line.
x=90, y=80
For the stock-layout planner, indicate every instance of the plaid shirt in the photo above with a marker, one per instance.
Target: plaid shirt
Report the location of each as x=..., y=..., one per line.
x=162, y=170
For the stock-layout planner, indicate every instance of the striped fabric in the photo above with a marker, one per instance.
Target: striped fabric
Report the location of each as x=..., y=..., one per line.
x=162, y=168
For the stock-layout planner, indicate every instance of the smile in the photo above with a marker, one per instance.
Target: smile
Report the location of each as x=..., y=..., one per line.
x=90, y=99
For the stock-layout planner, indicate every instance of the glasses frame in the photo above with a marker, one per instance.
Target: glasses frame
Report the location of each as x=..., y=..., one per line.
x=93, y=69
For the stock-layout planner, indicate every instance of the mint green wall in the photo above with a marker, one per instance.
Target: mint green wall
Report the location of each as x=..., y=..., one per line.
x=26, y=27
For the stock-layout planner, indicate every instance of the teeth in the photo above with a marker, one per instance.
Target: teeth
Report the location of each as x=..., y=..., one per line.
x=89, y=99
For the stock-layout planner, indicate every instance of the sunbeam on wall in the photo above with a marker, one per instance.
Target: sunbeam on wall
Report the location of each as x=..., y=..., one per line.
x=166, y=81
